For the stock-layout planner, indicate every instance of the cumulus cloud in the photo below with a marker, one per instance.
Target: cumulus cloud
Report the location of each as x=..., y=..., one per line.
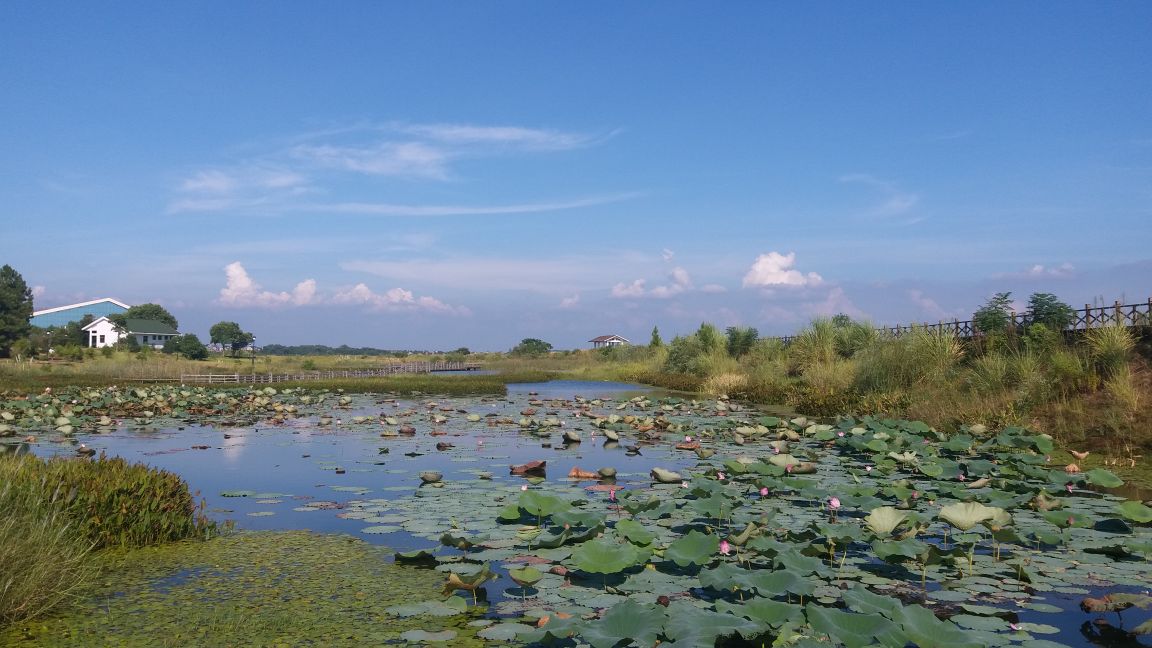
x=634, y=289
x=774, y=270
x=679, y=282
x=394, y=300
x=570, y=302
x=242, y=291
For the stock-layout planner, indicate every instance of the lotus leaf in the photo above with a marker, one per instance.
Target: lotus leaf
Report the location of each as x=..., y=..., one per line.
x=1135, y=511
x=692, y=626
x=665, y=476
x=629, y=620
x=542, y=504
x=768, y=583
x=525, y=576
x=694, y=548
x=634, y=532
x=1105, y=478
x=504, y=631
x=470, y=582
x=859, y=599
x=921, y=627
x=606, y=557
x=849, y=628
x=966, y=515
x=772, y=613
x=884, y=520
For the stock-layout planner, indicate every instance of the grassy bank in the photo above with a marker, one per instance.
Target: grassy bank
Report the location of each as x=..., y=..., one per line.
x=56, y=512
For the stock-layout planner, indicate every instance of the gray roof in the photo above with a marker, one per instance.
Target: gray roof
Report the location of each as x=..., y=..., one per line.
x=150, y=327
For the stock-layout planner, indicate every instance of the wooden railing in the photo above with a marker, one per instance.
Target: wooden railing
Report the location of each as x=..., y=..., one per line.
x=1128, y=315
x=399, y=368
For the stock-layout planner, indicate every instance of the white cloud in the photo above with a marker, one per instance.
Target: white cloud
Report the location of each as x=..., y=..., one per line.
x=634, y=289
x=528, y=138
x=680, y=282
x=403, y=159
x=272, y=180
x=394, y=300
x=834, y=303
x=1038, y=271
x=38, y=291
x=775, y=269
x=559, y=276
x=713, y=289
x=927, y=305
x=241, y=290
x=667, y=255
x=388, y=209
x=570, y=302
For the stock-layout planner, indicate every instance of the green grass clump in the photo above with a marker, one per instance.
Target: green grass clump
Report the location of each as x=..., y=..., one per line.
x=1110, y=348
x=108, y=501
x=43, y=556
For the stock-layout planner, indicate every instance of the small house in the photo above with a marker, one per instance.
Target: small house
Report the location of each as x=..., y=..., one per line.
x=103, y=332
x=608, y=341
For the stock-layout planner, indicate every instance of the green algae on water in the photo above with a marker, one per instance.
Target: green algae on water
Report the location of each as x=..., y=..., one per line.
x=247, y=589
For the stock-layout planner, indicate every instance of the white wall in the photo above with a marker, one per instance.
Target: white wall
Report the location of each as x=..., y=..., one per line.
x=102, y=334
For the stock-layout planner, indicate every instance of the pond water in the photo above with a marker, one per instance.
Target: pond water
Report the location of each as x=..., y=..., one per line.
x=331, y=470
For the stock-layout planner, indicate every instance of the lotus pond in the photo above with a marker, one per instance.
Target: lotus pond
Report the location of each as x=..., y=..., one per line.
x=597, y=513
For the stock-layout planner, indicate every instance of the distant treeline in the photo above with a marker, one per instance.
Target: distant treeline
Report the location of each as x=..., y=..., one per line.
x=324, y=350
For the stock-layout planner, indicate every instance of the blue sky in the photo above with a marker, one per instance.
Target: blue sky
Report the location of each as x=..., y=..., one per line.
x=438, y=174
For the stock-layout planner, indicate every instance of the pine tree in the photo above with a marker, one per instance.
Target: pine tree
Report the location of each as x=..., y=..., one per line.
x=15, y=309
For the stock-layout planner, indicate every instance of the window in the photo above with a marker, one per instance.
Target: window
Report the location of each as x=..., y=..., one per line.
x=101, y=339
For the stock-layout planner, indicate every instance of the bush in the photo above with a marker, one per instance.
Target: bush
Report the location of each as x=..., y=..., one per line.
x=108, y=501
x=44, y=556
x=1110, y=348
x=995, y=315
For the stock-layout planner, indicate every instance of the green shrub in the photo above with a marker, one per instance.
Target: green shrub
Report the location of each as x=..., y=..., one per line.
x=43, y=556
x=911, y=359
x=109, y=501
x=1110, y=348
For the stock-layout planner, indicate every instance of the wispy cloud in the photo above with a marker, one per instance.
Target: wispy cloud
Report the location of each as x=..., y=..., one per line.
x=274, y=180
x=389, y=209
x=394, y=300
x=557, y=276
x=774, y=270
x=1038, y=271
x=570, y=302
x=895, y=202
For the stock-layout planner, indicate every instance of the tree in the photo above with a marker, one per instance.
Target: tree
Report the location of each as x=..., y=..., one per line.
x=531, y=347
x=1047, y=309
x=151, y=312
x=15, y=308
x=187, y=345
x=655, y=342
x=994, y=316
x=231, y=335
x=741, y=339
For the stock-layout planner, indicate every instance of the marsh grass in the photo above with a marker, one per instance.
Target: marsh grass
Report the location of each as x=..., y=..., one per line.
x=108, y=502
x=44, y=557
x=1110, y=348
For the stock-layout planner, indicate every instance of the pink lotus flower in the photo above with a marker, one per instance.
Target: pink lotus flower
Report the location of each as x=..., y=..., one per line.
x=775, y=450
x=764, y=491
x=1068, y=486
x=1013, y=626
x=725, y=548
x=834, y=503
x=720, y=475
x=523, y=487
x=687, y=439
x=612, y=495
x=915, y=494
x=868, y=468
x=788, y=468
x=683, y=484
x=962, y=478
x=840, y=434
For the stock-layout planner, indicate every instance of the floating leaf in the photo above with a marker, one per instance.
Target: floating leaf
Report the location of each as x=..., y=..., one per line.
x=605, y=557
x=1135, y=511
x=695, y=548
x=632, y=620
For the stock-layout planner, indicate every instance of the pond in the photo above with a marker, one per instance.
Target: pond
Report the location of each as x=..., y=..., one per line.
x=794, y=503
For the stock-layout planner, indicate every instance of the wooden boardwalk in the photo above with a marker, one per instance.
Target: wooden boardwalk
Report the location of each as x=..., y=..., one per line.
x=391, y=370
x=1089, y=317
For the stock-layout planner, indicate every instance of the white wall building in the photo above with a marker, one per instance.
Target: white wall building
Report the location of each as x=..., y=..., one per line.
x=102, y=332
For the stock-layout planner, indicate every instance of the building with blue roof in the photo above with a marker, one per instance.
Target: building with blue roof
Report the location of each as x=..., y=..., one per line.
x=63, y=315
